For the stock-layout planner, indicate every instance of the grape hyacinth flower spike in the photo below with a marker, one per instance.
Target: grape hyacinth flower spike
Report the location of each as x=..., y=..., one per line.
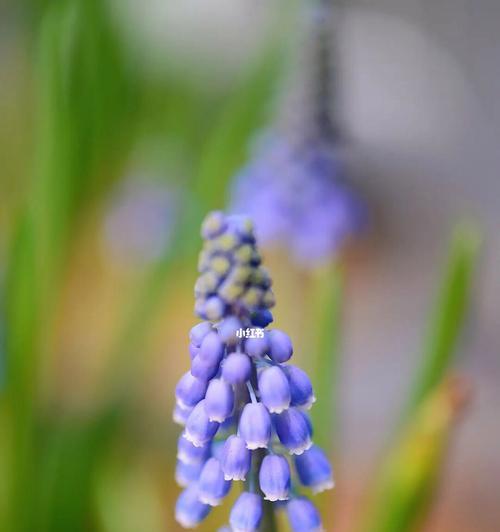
x=242, y=404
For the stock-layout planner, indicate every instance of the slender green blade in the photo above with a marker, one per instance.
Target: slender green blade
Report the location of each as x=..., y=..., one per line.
x=246, y=112
x=411, y=469
x=22, y=303
x=449, y=313
x=70, y=455
x=407, y=484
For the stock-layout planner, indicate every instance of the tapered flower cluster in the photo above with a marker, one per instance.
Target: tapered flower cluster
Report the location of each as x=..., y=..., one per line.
x=296, y=194
x=242, y=404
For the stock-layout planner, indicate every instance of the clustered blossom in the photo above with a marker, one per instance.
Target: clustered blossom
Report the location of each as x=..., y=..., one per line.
x=242, y=404
x=296, y=194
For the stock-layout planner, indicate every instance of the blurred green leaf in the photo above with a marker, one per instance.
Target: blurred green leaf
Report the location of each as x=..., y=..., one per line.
x=409, y=474
x=449, y=313
x=87, y=103
x=69, y=460
x=22, y=306
x=246, y=112
x=82, y=114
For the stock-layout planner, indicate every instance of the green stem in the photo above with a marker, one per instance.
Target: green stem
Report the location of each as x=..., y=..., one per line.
x=269, y=520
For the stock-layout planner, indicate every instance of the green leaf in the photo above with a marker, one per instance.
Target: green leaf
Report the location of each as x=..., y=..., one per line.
x=22, y=304
x=85, y=117
x=69, y=458
x=411, y=469
x=410, y=472
x=449, y=313
x=227, y=145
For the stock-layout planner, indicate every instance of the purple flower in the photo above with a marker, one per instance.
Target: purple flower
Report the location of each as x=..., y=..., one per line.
x=189, y=454
x=237, y=368
x=256, y=347
x=235, y=459
x=314, y=470
x=246, y=513
x=190, y=391
x=294, y=430
x=280, y=346
x=189, y=511
x=300, y=387
x=238, y=389
x=181, y=414
x=212, y=487
x=274, y=478
x=193, y=351
x=274, y=389
x=228, y=329
x=199, y=429
x=186, y=474
x=219, y=400
x=205, y=364
x=303, y=516
x=198, y=332
x=255, y=426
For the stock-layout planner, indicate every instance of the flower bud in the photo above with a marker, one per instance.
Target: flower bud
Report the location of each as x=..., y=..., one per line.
x=219, y=400
x=189, y=511
x=189, y=391
x=216, y=448
x=314, y=470
x=262, y=318
x=214, y=308
x=300, y=387
x=228, y=329
x=199, y=429
x=274, y=478
x=274, y=389
x=186, y=474
x=246, y=513
x=255, y=426
x=189, y=454
x=256, y=347
x=198, y=332
x=206, y=364
x=213, y=225
x=294, y=430
x=303, y=516
x=235, y=459
x=236, y=368
x=212, y=487
x=181, y=415
x=193, y=351
x=280, y=346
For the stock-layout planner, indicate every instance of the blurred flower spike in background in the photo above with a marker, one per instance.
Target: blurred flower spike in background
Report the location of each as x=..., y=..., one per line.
x=141, y=219
x=295, y=186
x=243, y=406
x=298, y=197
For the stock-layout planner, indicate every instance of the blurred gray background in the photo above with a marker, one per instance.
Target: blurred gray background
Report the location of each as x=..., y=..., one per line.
x=419, y=86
